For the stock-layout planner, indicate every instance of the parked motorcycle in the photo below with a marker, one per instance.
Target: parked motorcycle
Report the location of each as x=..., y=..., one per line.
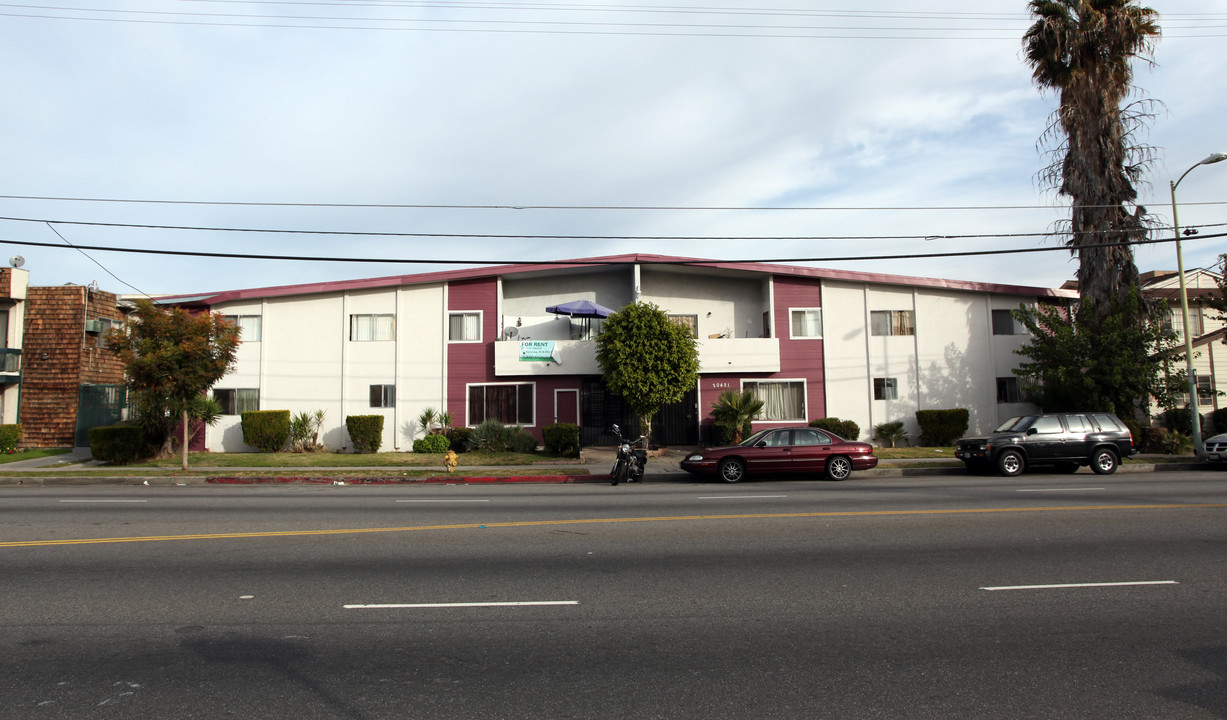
x=630, y=462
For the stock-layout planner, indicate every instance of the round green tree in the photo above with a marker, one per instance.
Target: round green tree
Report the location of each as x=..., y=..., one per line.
x=647, y=358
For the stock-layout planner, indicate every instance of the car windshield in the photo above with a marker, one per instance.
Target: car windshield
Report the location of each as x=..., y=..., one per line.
x=1015, y=424
x=753, y=438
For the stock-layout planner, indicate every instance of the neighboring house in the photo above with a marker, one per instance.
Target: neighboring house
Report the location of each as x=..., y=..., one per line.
x=478, y=343
x=1208, y=329
x=69, y=381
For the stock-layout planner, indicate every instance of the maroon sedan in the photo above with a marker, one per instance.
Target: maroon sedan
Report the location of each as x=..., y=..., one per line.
x=783, y=450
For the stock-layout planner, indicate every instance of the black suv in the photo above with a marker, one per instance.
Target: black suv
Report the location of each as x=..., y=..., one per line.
x=1061, y=440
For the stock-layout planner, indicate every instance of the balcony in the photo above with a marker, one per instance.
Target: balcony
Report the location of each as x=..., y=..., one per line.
x=578, y=357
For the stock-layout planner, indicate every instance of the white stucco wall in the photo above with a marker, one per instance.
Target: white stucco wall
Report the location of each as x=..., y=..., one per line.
x=305, y=362
x=952, y=361
x=722, y=303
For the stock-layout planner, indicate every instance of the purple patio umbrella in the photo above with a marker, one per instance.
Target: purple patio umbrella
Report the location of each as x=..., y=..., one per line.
x=580, y=309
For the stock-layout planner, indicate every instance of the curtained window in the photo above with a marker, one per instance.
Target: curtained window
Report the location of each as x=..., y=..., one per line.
x=464, y=327
x=509, y=404
x=372, y=328
x=782, y=399
x=806, y=323
x=892, y=322
x=237, y=401
x=249, y=326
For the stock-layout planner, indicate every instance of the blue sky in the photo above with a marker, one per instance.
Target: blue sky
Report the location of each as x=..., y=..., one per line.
x=879, y=120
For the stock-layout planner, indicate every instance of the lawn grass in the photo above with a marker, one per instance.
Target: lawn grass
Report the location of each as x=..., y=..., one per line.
x=33, y=454
x=325, y=460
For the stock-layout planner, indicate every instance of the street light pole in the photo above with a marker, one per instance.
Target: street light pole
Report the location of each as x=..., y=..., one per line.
x=1195, y=417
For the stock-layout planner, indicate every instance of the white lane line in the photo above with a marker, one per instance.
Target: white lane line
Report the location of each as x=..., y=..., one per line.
x=384, y=606
x=1081, y=585
x=443, y=501
x=1058, y=489
x=737, y=497
x=103, y=501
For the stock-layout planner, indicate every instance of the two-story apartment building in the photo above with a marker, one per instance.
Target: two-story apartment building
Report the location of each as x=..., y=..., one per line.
x=479, y=343
x=1205, y=325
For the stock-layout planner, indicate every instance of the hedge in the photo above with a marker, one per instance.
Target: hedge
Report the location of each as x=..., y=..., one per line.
x=436, y=444
x=366, y=432
x=561, y=439
x=846, y=429
x=939, y=428
x=267, y=430
x=116, y=444
x=10, y=435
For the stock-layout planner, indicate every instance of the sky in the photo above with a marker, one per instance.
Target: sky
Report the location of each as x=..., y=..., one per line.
x=402, y=136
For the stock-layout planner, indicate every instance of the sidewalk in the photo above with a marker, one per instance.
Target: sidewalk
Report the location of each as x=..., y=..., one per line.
x=591, y=467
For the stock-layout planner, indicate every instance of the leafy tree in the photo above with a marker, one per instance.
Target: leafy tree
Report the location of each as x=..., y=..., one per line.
x=1079, y=363
x=647, y=358
x=735, y=410
x=1083, y=49
x=171, y=357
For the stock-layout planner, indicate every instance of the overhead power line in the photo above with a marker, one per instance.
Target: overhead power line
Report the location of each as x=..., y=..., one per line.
x=517, y=261
x=539, y=236
x=473, y=206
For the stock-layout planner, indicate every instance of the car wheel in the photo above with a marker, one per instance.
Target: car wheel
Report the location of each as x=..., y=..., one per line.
x=839, y=468
x=1104, y=462
x=732, y=470
x=1011, y=463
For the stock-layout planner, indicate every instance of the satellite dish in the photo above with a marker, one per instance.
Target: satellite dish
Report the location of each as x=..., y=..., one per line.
x=511, y=332
x=17, y=261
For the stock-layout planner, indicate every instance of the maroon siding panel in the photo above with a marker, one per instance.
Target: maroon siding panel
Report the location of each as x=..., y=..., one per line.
x=471, y=362
x=801, y=358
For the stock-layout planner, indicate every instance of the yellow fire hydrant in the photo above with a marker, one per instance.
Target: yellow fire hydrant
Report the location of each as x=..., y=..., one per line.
x=449, y=459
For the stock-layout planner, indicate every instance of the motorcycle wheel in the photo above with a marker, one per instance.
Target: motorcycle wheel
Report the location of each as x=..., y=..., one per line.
x=615, y=475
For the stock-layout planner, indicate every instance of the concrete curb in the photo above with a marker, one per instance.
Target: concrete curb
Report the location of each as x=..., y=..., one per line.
x=669, y=475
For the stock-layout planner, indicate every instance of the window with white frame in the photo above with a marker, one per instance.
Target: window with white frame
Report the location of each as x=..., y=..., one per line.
x=886, y=388
x=1174, y=322
x=510, y=404
x=805, y=323
x=1004, y=323
x=383, y=396
x=464, y=327
x=249, y=326
x=372, y=328
x=236, y=401
x=892, y=322
x=690, y=322
x=782, y=399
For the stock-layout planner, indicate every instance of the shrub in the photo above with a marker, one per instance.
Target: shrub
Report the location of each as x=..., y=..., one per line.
x=846, y=429
x=436, y=444
x=1171, y=442
x=1218, y=419
x=266, y=430
x=305, y=430
x=10, y=435
x=521, y=441
x=490, y=436
x=116, y=444
x=890, y=433
x=458, y=437
x=939, y=428
x=1180, y=420
x=561, y=439
x=366, y=432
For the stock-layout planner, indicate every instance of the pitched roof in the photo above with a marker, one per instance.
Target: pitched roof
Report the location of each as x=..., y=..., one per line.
x=558, y=266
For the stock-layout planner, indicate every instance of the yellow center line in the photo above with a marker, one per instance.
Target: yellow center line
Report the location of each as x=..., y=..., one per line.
x=591, y=521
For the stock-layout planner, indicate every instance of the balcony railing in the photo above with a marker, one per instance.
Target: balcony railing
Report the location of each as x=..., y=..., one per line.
x=578, y=357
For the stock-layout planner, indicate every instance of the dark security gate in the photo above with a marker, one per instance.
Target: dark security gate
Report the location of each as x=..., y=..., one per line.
x=99, y=405
x=675, y=424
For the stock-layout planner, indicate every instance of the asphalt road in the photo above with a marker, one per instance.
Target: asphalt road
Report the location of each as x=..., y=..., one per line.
x=1050, y=596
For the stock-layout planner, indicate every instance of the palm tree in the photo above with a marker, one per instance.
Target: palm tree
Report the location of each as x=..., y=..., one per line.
x=734, y=410
x=1083, y=49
